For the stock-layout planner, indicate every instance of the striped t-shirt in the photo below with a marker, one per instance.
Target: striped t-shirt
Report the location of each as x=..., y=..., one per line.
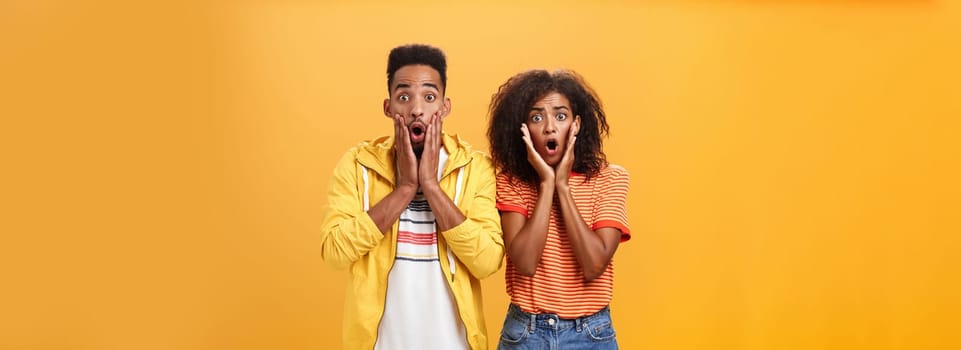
x=558, y=285
x=420, y=312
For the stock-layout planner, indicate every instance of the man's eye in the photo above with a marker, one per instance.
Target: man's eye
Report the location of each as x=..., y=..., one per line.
x=561, y=116
x=404, y=98
x=430, y=98
x=537, y=118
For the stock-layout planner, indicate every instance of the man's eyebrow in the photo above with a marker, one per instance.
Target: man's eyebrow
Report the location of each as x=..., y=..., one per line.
x=561, y=107
x=406, y=85
x=401, y=86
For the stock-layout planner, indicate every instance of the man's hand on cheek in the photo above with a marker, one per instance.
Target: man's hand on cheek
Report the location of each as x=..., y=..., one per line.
x=404, y=152
x=429, y=159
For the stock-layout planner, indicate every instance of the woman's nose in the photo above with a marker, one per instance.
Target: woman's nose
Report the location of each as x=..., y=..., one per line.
x=550, y=126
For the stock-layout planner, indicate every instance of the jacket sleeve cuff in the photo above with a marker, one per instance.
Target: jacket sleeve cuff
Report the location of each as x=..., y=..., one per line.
x=368, y=225
x=460, y=232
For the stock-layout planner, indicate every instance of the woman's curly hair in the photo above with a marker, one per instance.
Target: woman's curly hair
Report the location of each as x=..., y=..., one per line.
x=511, y=104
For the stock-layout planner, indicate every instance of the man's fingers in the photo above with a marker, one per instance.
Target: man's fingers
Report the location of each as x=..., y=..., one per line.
x=404, y=133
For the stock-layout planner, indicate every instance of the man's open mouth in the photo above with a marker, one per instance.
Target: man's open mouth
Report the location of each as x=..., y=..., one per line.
x=417, y=130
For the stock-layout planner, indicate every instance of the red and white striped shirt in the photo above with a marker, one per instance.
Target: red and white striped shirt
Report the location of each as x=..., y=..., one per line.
x=558, y=285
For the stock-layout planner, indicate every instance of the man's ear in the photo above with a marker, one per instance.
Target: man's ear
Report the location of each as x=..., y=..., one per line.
x=577, y=124
x=387, y=107
x=447, y=107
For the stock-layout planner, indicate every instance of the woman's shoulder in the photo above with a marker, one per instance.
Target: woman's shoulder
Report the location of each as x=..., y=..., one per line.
x=508, y=180
x=613, y=170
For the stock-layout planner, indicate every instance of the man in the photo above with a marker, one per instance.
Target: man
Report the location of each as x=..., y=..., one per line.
x=412, y=217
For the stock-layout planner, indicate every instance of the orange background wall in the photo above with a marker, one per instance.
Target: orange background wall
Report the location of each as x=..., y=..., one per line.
x=794, y=163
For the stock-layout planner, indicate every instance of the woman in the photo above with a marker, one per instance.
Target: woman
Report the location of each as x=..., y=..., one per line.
x=563, y=211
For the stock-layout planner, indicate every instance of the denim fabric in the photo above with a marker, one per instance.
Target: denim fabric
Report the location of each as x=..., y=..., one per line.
x=524, y=331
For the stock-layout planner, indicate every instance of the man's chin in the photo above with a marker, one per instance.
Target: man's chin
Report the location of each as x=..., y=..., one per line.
x=418, y=150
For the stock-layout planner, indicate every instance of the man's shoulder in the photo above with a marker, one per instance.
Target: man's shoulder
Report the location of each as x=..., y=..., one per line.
x=464, y=146
x=382, y=142
x=375, y=147
x=373, y=154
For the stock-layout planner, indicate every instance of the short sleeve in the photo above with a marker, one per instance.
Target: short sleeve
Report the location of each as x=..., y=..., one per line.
x=610, y=200
x=510, y=196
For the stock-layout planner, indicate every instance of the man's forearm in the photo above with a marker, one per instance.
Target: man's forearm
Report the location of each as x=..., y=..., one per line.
x=445, y=212
x=388, y=210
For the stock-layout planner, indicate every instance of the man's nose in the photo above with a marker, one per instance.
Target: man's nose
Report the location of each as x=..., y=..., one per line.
x=417, y=109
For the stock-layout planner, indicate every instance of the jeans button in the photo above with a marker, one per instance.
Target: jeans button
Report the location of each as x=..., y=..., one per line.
x=550, y=321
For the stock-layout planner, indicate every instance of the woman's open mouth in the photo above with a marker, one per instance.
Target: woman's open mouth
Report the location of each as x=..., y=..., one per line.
x=551, y=147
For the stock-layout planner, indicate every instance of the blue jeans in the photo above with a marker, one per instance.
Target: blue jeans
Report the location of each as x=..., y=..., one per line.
x=523, y=331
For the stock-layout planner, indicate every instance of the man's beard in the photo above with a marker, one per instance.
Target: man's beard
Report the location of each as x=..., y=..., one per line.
x=418, y=150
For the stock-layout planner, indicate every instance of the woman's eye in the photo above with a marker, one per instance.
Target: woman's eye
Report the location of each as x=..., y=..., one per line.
x=537, y=118
x=430, y=98
x=561, y=116
x=404, y=98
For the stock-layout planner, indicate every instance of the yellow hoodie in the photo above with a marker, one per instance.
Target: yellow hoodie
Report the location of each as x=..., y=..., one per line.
x=350, y=239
